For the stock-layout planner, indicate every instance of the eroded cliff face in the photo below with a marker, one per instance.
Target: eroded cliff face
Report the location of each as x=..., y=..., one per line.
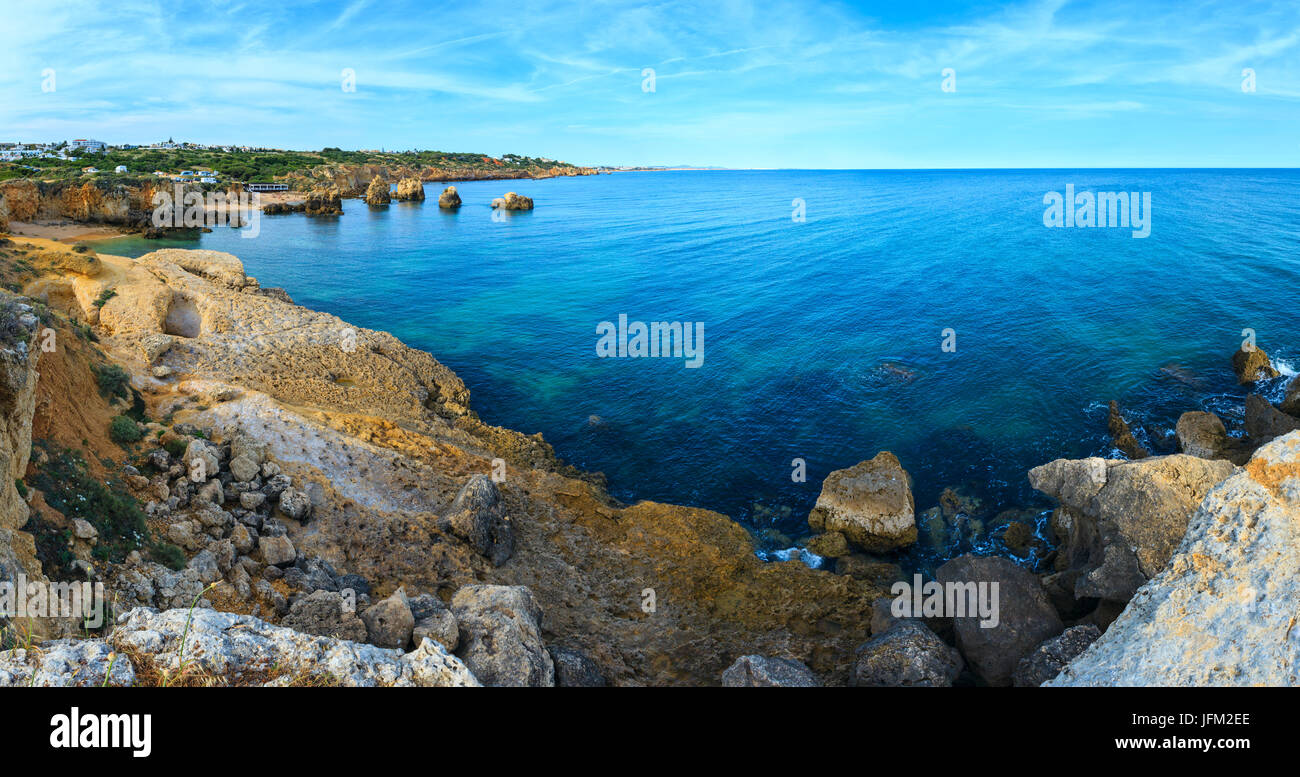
x=19, y=352
x=88, y=202
x=380, y=437
x=352, y=180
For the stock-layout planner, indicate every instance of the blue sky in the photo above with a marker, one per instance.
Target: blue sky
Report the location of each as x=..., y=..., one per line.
x=740, y=84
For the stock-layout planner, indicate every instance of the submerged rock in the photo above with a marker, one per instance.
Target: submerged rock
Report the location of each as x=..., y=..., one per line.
x=907, y=654
x=870, y=503
x=1223, y=611
x=1122, y=436
x=768, y=672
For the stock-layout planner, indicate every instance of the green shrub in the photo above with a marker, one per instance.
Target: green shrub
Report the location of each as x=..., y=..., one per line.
x=123, y=430
x=71, y=490
x=176, y=447
x=113, y=381
x=104, y=297
x=168, y=555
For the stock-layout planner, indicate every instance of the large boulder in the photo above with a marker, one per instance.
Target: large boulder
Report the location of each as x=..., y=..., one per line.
x=768, y=672
x=324, y=201
x=1049, y=658
x=1203, y=435
x=906, y=654
x=513, y=201
x=389, y=623
x=1252, y=365
x=1119, y=521
x=1265, y=422
x=477, y=515
x=449, y=199
x=869, y=503
x=501, y=636
x=1291, y=401
x=1025, y=616
x=1223, y=612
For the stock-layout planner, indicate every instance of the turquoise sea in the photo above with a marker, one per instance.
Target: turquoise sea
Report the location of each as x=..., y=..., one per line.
x=822, y=337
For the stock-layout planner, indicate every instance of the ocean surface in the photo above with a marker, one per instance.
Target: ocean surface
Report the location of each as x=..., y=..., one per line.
x=822, y=337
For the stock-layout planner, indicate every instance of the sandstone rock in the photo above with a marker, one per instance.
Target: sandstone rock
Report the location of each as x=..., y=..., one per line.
x=1025, y=616
x=1265, y=422
x=478, y=516
x=155, y=345
x=1049, y=658
x=449, y=199
x=276, y=551
x=328, y=614
x=1201, y=434
x=829, y=545
x=389, y=623
x=409, y=189
x=768, y=672
x=907, y=654
x=1252, y=365
x=870, y=503
x=1111, y=510
x=1220, y=613
x=501, y=637
x=324, y=201
x=379, y=192
x=238, y=648
x=513, y=201
x=574, y=670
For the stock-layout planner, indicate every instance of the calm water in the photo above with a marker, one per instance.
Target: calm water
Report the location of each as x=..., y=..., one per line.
x=822, y=338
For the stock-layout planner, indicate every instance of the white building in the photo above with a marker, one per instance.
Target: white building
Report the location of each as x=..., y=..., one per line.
x=93, y=146
x=120, y=169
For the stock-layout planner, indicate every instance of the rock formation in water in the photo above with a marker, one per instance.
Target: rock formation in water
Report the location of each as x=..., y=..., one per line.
x=449, y=199
x=513, y=201
x=324, y=201
x=1252, y=365
x=409, y=189
x=378, y=192
x=869, y=503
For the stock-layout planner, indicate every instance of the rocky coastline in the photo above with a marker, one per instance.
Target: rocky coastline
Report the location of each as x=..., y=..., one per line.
x=329, y=491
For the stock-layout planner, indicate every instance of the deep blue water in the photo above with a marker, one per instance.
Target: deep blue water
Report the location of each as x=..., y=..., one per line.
x=822, y=338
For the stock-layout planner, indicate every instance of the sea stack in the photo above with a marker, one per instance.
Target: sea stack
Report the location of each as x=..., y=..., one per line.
x=410, y=189
x=378, y=193
x=324, y=201
x=449, y=199
x=513, y=201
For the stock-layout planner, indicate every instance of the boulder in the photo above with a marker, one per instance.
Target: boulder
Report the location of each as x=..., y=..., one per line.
x=1049, y=658
x=1025, y=615
x=829, y=545
x=389, y=623
x=449, y=199
x=295, y=504
x=501, y=636
x=906, y=654
x=1265, y=422
x=574, y=670
x=328, y=614
x=1223, y=611
x=870, y=503
x=1202, y=435
x=324, y=201
x=434, y=621
x=378, y=192
x=1119, y=521
x=477, y=515
x=276, y=551
x=64, y=663
x=768, y=672
x=1252, y=365
x=155, y=345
